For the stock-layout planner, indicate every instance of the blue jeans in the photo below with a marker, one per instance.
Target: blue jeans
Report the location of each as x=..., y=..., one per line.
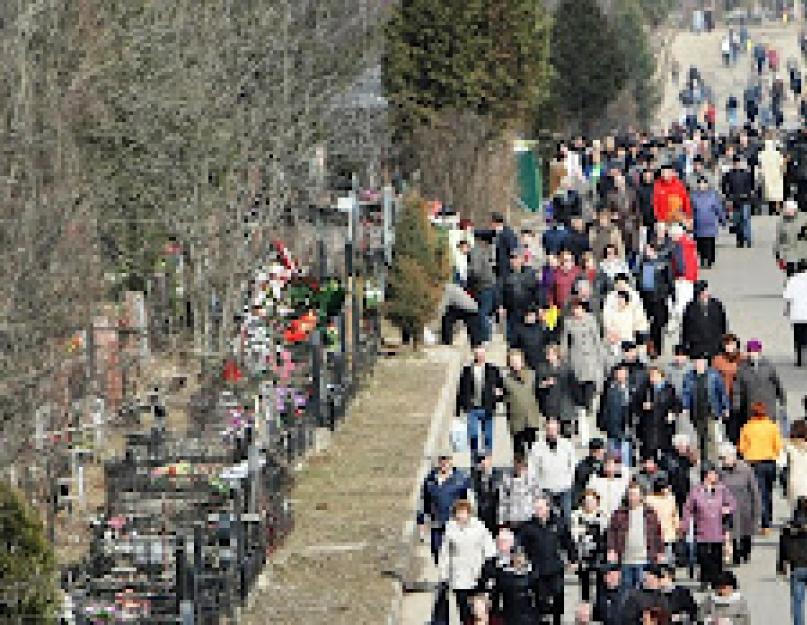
x=479, y=417
x=486, y=302
x=742, y=223
x=765, y=473
x=621, y=447
x=632, y=576
x=798, y=580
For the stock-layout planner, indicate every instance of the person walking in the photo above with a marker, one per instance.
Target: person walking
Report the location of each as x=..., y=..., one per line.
x=505, y=242
x=486, y=480
x=656, y=406
x=709, y=215
x=739, y=478
x=671, y=202
x=726, y=604
x=796, y=455
x=654, y=281
x=704, y=401
x=634, y=538
x=707, y=507
x=758, y=381
x=582, y=342
x=795, y=296
x=517, y=493
x=523, y=415
x=792, y=556
x=727, y=363
x=532, y=336
x=772, y=172
x=443, y=486
x=662, y=500
x=610, y=596
x=738, y=189
x=761, y=445
x=518, y=291
x=545, y=538
x=591, y=464
x=556, y=389
x=616, y=413
x=466, y=547
x=511, y=590
x=479, y=391
x=685, y=270
x=788, y=246
x=588, y=527
x=551, y=466
x=482, y=285
x=704, y=322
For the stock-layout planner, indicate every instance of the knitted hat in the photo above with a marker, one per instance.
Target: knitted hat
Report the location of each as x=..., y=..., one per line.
x=754, y=345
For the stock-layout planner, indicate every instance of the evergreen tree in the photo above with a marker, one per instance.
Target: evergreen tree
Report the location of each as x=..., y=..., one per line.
x=587, y=63
x=484, y=56
x=420, y=267
x=27, y=565
x=639, y=63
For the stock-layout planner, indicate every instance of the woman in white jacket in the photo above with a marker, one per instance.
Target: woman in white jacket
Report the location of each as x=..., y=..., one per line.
x=796, y=451
x=466, y=546
x=625, y=319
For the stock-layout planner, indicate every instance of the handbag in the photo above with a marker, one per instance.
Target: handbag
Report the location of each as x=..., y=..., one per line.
x=458, y=435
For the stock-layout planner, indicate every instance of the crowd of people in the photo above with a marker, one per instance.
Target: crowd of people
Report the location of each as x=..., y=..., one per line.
x=616, y=345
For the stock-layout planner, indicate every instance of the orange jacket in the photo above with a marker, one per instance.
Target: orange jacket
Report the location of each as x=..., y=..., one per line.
x=760, y=440
x=663, y=191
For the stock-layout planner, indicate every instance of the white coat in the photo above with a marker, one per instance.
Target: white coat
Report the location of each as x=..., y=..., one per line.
x=797, y=470
x=610, y=490
x=552, y=471
x=772, y=169
x=465, y=549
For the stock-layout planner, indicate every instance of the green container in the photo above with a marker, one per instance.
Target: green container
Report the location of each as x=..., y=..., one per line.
x=528, y=180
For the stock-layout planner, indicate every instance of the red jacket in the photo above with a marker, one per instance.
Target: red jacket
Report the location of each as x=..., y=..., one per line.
x=685, y=259
x=663, y=190
x=562, y=287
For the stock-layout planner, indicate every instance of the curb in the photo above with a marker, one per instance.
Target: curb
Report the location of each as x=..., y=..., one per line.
x=453, y=358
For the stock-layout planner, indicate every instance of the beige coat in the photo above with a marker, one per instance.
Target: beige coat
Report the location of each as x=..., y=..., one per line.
x=772, y=170
x=797, y=469
x=667, y=513
x=522, y=405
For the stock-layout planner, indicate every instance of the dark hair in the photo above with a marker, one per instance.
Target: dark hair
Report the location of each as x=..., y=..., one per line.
x=730, y=338
x=726, y=578
x=680, y=350
x=798, y=430
x=758, y=409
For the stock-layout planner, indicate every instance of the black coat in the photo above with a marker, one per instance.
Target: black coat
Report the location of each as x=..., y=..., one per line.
x=544, y=544
x=681, y=601
x=614, y=414
x=644, y=204
x=608, y=606
x=518, y=291
x=704, y=327
x=513, y=596
x=532, y=340
x=654, y=430
x=565, y=206
x=636, y=601
x=558, y=400
x=587, y=467
x=577, y=243
x=506, y=242
x=678, y=469
x=465, y=392
x=738, y=185
x=486, y=491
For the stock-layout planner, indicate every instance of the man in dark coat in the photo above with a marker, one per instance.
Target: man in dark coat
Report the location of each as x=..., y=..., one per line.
x=545, y=538
x=557, y=389
x=704, y=322
x=647, y=597
x=654, y=282
x=519, y=290
x=479, y=390
x=738, y=188
x=614, y=414
x=486, y=482
x=610, y=596
x=532, y=337
x=656, y=405
x=590, y=465
x=680, y=600
x=505, y=241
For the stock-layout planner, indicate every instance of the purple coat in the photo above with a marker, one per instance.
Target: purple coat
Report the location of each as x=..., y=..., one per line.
x=708, y=213
x=707, y=512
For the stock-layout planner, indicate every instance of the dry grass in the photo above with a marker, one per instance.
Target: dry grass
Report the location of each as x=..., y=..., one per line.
x=356, y=496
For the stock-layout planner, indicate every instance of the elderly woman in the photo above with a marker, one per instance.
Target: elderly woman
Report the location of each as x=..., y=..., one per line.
x=466, y=547
x=739, y=478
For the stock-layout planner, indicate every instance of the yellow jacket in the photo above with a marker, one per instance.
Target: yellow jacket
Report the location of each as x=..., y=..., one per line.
x=760, y=440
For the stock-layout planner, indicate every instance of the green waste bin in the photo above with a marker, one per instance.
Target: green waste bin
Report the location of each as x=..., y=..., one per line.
x=528, y=180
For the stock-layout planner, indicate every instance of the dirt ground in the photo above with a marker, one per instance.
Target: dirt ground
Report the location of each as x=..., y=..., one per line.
x=350, y=503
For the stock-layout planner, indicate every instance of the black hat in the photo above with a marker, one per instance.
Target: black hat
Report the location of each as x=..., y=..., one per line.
x=622, y=276
x=610, y=567
x=700, y=286
x=679, y=350
x=628, y=345
x=596, y=443
x=654, y=570
x=497, y=218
